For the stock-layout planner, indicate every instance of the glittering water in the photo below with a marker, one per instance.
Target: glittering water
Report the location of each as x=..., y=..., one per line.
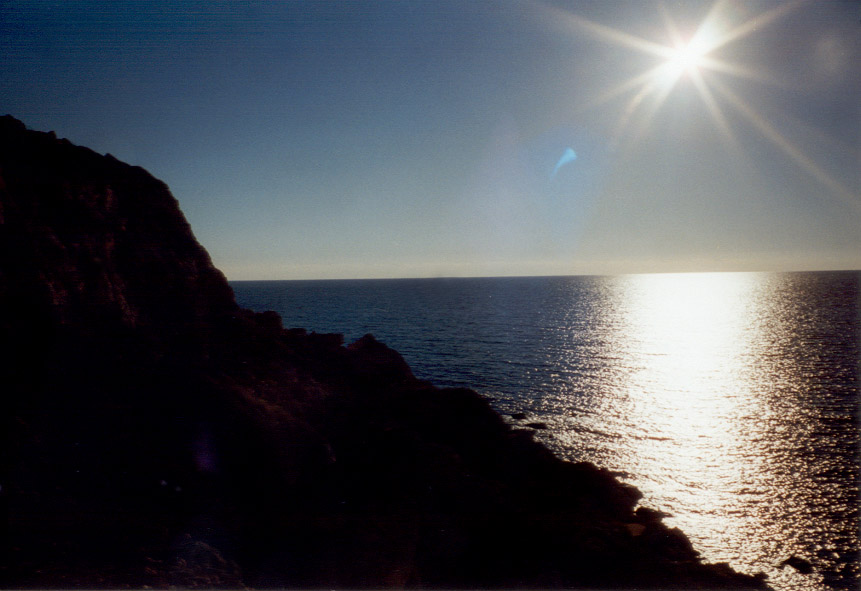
x=731, y=400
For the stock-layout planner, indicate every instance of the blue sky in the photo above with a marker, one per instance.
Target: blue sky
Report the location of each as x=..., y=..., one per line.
x=411, y=139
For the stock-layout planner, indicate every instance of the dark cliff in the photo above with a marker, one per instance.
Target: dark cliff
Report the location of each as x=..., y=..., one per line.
x=156, y=434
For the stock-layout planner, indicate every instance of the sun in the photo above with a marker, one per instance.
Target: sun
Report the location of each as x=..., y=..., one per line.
x=694, y=56
x=686, y=58
x=691, y=56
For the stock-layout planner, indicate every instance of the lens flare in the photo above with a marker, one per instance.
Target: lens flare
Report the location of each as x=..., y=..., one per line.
x=692, y=59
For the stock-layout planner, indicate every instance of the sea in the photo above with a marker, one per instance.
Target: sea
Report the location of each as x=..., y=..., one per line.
x=731, y=400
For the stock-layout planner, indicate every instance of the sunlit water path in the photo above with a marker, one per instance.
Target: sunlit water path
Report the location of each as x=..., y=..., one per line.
x=730, y=400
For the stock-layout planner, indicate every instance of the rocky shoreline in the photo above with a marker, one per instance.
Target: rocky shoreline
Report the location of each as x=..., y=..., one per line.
x=160, y=436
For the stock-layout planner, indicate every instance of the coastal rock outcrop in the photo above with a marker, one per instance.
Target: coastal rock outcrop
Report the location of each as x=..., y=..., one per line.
x=158, y=435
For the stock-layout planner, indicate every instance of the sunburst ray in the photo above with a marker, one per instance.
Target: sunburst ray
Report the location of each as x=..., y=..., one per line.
x=694, y=58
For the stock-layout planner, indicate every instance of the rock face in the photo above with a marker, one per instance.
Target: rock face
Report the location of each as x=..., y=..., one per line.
x=156, y=434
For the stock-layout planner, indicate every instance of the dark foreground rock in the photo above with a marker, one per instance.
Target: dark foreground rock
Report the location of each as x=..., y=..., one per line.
x=157, y=435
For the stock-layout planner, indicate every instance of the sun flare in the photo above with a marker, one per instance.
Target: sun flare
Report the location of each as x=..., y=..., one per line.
x=686, y=59
x=698, y=61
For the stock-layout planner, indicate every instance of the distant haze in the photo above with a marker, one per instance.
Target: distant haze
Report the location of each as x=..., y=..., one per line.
x=413, y=139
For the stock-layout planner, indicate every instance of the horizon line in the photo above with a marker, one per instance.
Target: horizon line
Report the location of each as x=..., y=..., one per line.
x=551, y=275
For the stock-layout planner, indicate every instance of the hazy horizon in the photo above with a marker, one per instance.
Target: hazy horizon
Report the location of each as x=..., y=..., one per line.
x=308, y=140
x=571, y=275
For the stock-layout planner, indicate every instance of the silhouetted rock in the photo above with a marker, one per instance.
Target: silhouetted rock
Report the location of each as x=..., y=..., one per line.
x=159, y=435
x=799, y=564
x=539, y=425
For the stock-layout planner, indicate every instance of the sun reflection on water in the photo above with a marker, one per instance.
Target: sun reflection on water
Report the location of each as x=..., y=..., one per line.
x=687, y=336
x=716, y=395
x=690, y=330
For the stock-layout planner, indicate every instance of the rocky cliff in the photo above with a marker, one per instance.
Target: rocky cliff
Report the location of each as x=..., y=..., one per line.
x=158, y=435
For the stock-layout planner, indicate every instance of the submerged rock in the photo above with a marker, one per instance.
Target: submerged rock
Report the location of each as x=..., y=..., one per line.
x=799, y=564
x=159, y=435
x=539, y=425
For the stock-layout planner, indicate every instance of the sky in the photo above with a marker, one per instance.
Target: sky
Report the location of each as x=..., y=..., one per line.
x=469, y=138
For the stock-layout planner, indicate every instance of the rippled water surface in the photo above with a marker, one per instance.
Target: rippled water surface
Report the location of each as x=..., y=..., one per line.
x=731, y=400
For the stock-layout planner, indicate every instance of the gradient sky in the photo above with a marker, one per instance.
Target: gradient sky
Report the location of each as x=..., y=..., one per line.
x=411, y=139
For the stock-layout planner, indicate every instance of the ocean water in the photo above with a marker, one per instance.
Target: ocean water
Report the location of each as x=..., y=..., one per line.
x=731, y=400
